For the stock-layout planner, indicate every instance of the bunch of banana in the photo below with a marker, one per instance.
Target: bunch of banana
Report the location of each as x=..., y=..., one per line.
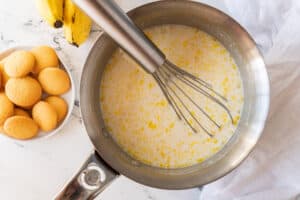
x=58, y=13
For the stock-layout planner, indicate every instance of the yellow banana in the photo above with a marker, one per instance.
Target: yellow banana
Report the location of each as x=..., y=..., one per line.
x=51, y=11
x=77, y=24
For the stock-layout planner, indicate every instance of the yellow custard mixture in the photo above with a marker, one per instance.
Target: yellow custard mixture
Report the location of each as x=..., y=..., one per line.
x=138, y=116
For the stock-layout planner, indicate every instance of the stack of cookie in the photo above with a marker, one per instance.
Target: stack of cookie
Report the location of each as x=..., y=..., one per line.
x=31, y=83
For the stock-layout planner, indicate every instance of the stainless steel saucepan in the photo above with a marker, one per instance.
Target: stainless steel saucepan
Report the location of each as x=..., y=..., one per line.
x=109, y=160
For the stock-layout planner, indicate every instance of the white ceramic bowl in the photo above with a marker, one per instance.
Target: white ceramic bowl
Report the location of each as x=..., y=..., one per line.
x=69, y=97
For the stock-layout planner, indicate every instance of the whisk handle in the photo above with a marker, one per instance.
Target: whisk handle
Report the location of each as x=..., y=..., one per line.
x=114, y=21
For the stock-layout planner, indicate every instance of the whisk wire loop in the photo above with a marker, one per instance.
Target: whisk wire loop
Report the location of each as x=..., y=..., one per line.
x=182, y=78
x=169, y=76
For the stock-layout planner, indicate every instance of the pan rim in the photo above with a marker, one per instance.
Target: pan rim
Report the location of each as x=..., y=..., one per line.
x=171, y=182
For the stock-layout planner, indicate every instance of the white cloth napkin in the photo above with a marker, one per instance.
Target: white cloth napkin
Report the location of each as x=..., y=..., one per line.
x=272, y=171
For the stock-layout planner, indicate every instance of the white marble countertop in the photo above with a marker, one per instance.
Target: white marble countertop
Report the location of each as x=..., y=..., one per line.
x=39, y=169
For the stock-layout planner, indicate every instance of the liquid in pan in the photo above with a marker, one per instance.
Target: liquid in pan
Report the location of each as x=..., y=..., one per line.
x=138, y=116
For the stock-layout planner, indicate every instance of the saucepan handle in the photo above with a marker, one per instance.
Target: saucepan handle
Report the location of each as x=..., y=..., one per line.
x=91, y=179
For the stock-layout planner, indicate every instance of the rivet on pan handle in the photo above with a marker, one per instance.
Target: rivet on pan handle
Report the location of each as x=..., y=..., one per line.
x=91, y=179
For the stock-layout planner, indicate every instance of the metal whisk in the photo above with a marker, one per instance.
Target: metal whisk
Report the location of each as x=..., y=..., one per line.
x=169, y=76
x=171, y=79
